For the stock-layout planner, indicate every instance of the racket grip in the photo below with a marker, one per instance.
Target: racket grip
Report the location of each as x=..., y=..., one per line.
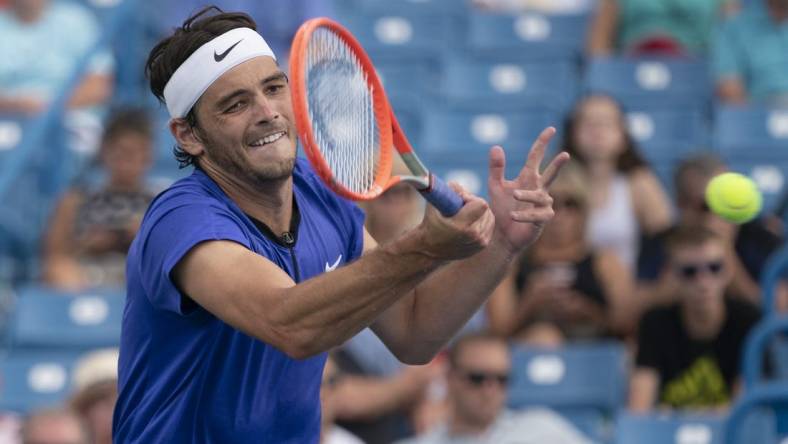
x=443, y=198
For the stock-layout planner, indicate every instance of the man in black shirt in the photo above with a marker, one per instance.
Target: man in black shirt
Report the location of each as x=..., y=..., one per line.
x=689, y=352
x=749, y=245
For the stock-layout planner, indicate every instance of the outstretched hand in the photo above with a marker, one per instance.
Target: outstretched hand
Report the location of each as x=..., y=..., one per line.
x=523, y=206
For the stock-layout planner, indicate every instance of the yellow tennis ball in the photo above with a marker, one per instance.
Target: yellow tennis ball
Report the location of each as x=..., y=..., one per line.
x=734, y=197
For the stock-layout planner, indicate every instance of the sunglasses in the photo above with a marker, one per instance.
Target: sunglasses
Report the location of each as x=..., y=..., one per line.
x=691, y=271
x=478, y=379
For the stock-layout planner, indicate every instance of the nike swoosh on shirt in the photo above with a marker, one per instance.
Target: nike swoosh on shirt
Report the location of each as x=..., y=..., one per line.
x=333, y=267
x=220, y=57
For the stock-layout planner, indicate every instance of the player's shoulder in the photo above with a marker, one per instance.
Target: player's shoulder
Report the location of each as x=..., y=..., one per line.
x=196, y=190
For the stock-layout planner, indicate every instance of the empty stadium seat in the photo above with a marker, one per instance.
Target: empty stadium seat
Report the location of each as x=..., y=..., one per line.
x=454, y=132
x=531, y=36
x=12, y=127
x=668, y=429
x=650, y=83
x=506, y=83
x=751, y=131
x=348, y=7
x=45, y=318
x=32, y=380
x=585, y=382
x=667, y=134
x=756, y=416
x=402, y=34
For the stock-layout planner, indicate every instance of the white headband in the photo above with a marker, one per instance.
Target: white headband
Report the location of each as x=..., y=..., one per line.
x=208, y=63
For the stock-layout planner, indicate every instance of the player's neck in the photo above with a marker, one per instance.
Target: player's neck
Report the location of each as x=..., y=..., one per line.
x=270, y=202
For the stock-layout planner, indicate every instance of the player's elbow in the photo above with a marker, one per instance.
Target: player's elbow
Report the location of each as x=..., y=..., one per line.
x=413, y=354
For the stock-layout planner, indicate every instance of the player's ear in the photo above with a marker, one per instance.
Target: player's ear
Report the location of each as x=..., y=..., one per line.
x=186, y=136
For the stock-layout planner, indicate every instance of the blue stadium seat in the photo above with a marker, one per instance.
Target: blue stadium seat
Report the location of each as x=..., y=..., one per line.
x=585, y=381
x=668, y=429
x=401, y=34
x=12, y=128
x=507, y=84
x=667, y=135
x=651, y=83
x=770, y=174
x=531, y=36
x=757, y=415
x=455, y=132
x=347, y=7
x=33, y=380
x=751, y=131
x=45, y=318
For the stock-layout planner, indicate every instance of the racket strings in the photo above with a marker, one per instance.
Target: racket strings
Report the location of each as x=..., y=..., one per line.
x=341, y=108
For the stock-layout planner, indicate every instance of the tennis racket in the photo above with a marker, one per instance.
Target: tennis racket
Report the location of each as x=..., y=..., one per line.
x=345, y=122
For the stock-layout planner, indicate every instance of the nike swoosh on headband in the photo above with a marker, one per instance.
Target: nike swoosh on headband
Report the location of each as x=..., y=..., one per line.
x=220, y=57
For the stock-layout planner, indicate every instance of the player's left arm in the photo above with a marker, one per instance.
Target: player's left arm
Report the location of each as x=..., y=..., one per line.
x=419, y=325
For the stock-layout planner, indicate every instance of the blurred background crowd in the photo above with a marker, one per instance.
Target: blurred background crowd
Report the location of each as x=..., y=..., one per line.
x=639, y=316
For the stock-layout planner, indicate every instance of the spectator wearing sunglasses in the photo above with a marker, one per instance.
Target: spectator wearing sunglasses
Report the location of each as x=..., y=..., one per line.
x=477, y=379
x=689, y=352
x=748, y=245
x=562, y=288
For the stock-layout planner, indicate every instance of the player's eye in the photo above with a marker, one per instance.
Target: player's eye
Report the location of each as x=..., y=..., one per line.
x=234, y=107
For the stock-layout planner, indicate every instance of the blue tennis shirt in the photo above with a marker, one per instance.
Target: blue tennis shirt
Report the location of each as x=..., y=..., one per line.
x=184, y=375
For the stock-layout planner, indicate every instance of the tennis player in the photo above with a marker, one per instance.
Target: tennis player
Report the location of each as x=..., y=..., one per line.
x=246, y=272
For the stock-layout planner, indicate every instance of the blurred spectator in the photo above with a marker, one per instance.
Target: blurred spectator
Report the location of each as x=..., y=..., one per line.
x=95, y=381
x=626, y=197
x=749, y=245
x=689, y=352
x=477, y=381
x=561, y=279
x=56, y=426
x=548, y=6
x=93, y=225
x=750, y=55
x=330, y=433
x=41, y=42
x=658, y=28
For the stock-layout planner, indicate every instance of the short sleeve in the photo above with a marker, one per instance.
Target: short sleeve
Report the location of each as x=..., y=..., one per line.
x=356, y=227
x=726, y=59
x=648, y=342
x=172, y=235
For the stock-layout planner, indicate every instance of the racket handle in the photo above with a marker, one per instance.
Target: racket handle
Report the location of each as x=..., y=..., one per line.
x=443, y=198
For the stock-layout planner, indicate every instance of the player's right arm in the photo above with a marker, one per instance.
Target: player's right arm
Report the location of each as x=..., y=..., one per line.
x=252, y=294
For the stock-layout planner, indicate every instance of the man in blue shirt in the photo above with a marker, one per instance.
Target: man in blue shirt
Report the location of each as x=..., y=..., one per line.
x=246, y=272
x=750, y=55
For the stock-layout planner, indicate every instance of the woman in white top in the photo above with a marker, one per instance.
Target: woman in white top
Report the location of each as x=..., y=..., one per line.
x=627, y=199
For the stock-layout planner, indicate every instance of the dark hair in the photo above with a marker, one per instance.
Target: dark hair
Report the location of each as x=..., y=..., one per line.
x=684, y=236
x=127, y=120
x=706, y=164
x=628, y=162
x=165, y=58
x=456, y=347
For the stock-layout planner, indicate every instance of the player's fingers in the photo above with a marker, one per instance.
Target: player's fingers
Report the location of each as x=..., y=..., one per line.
x=552, y=170
x=473, y=209
x=462, y=192
x=534, y=215
x=538, y=149
x=497, y=164
x=539, y=198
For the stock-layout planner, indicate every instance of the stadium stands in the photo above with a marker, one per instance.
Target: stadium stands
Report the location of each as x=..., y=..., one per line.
x=46, y=319
x=460, y=81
